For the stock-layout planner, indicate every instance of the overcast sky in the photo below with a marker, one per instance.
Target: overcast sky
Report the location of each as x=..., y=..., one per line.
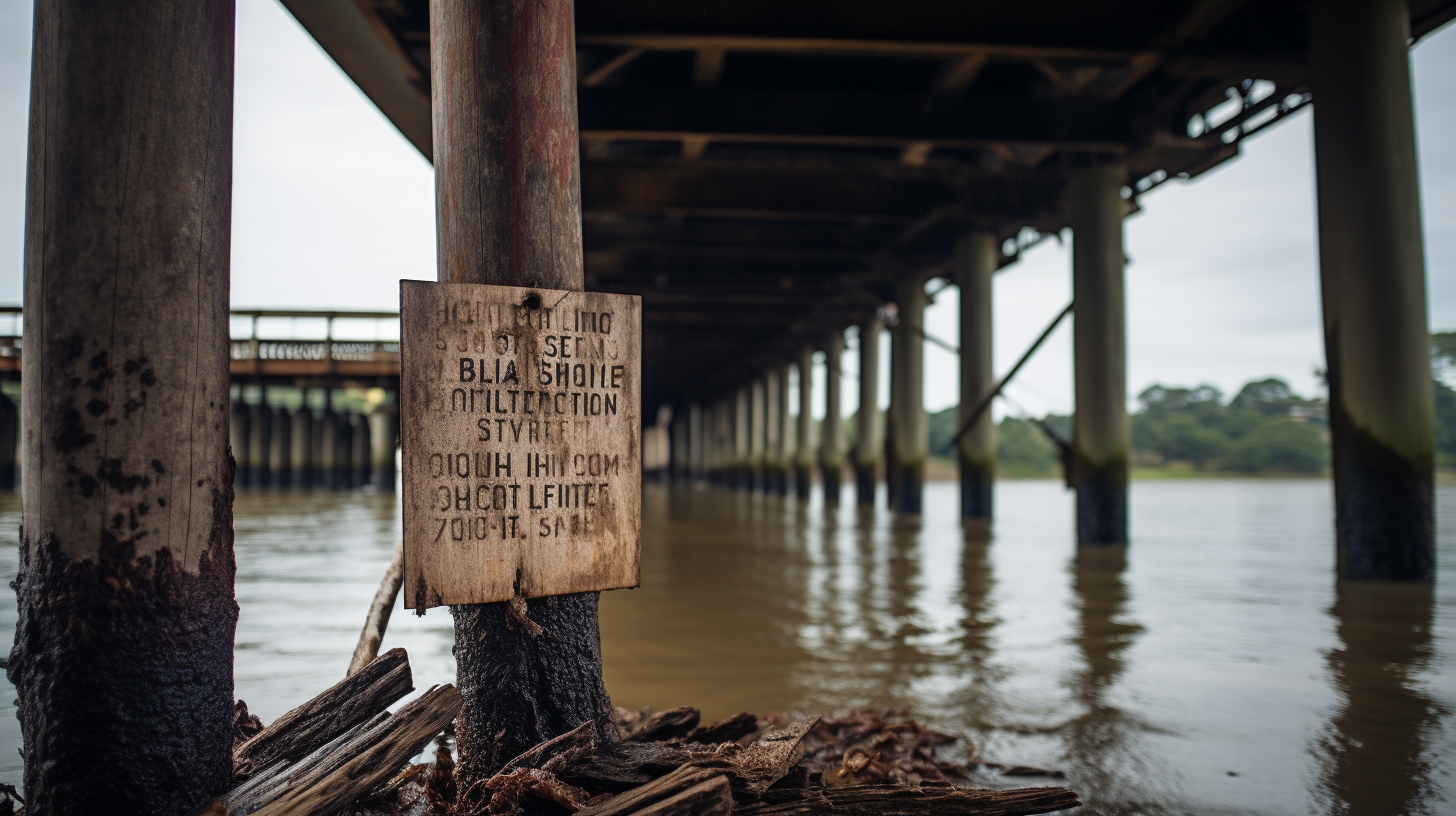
x=331, y=207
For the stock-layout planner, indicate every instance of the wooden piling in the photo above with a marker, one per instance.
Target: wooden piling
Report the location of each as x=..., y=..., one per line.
x=508, y=199
x=280, y=448
x=360, y=457
x=867, y=421
x=804, y=459
x=831, y=437
x=9, y=441
x=301, y=445
x=326, y=445
x=123, y=657
x=383, y=444
x=260, y=439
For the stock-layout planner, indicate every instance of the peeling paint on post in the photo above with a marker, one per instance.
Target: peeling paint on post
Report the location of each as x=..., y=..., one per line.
x=123, y=657
x=508, y=201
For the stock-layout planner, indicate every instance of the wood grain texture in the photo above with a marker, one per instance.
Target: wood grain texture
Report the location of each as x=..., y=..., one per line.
x=507, y=172
x=123, y=657
x=520, y=427
x=364, y=694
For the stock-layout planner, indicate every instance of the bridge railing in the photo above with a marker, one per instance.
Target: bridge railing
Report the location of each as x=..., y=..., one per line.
x=255, y=355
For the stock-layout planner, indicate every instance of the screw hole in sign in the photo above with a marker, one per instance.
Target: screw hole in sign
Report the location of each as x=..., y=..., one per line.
x=533, y=301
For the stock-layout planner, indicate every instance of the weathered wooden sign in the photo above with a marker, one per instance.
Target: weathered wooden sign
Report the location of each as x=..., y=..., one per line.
x=520, y=422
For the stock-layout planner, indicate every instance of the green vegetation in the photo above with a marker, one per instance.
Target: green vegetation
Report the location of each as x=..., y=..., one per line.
x=1264, y=429
x=1443, y=371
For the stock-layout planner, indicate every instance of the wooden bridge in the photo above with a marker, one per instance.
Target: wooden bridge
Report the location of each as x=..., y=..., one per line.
x=320, y=362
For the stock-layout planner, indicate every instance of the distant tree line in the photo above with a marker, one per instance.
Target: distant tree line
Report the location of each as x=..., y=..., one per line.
x=1264, y=428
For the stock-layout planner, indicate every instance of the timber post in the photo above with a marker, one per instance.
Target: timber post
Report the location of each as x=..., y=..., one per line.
x=1101, y=430
x=1373, y=282
x=804, y=458
x=758, y=430
x=867, y=421
x=786, y=431
x=508, y=201
x=975, y=263
x=123, y=657
x=831, y=437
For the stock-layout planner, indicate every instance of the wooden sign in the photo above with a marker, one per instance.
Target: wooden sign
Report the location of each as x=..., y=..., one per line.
x=520, y=422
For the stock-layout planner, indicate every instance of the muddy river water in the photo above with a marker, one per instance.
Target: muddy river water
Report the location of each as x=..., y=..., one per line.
x=1214, y=667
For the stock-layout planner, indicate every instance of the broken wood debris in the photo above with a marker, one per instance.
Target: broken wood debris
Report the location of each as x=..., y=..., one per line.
x=344, y=753
x=346, y=704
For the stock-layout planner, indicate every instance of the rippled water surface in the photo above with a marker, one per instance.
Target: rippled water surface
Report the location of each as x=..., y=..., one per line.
x=1215, y=667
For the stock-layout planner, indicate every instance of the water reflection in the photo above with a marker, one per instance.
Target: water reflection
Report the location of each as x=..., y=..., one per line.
x=1374, y=753
x=1208, y=669
x=1101, y=742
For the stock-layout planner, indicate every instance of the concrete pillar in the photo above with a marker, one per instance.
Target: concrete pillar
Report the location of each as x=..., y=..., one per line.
x=383, y=443
x=831, y=435
x=123, y=651
x=976, y=261
x=695, y=441
x=758, y=435
x=260, y=439
x=742, y=463
x=910, y=426
x=9, y=440
x=804, y=458
x=280, y=447
x=1373, y=281
x=867, y=421
x=301, y=443
x=1101, y=433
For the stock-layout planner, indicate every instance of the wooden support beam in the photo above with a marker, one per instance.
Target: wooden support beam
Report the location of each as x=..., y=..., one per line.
x=708, y=66
x=599, y=75
x=858, y=118
x=960, y=72
x=850, y=47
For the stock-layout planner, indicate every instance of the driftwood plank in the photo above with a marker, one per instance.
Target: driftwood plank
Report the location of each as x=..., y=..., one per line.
x=928, y=800
x=345, y=705
x=710, y=798
x=674, y=783
x=367, y=758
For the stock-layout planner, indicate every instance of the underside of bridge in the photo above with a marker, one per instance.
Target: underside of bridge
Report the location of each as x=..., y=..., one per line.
x=762, y=173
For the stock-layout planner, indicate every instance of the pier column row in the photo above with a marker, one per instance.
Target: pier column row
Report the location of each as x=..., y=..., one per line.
x=1101, y=432
x=831, y=435
x=804, y=459
x=1373, y=282
x=975, y=259
x=867, y=420
x=908, y=423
